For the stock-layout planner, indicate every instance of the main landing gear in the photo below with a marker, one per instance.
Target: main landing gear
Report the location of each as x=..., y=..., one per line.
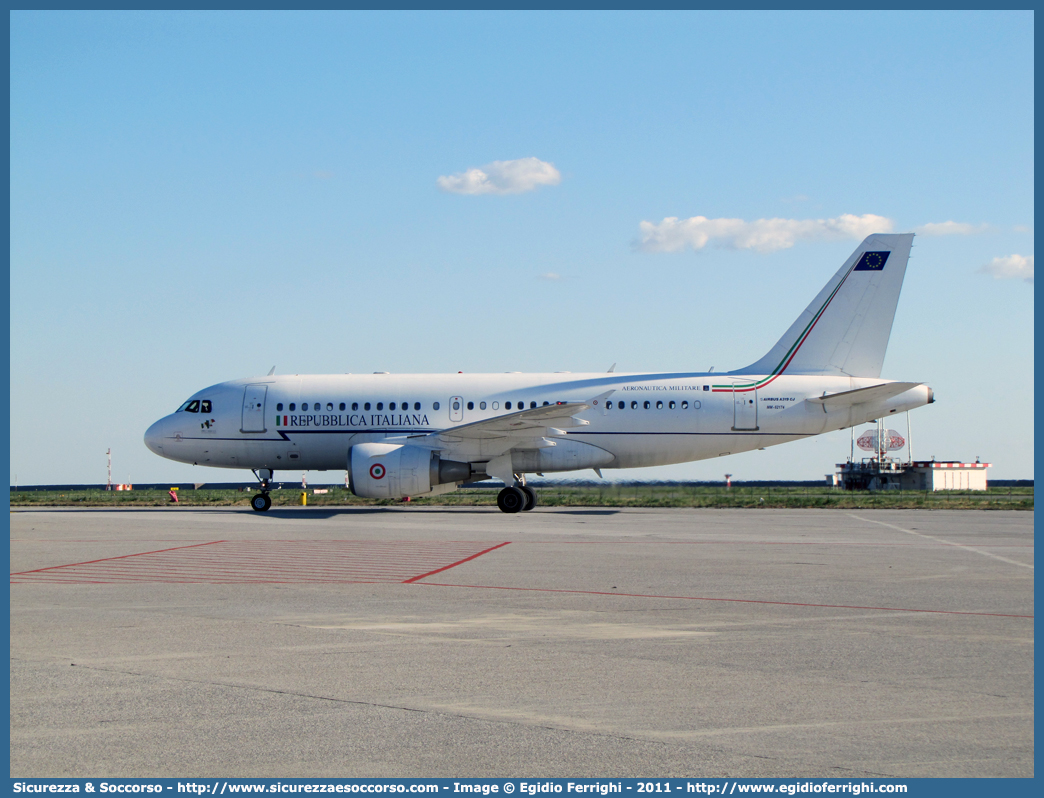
x=262, y=501
x=518, y=498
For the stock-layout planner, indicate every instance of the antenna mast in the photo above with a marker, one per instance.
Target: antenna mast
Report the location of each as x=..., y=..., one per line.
x=108, y=454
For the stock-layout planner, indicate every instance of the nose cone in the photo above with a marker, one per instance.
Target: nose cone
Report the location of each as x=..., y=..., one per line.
x=154, y=436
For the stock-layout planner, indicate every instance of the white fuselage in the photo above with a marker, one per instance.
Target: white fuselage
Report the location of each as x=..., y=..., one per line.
x=310, y=422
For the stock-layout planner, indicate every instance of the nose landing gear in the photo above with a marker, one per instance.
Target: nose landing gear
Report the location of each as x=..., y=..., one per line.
x=262, y=501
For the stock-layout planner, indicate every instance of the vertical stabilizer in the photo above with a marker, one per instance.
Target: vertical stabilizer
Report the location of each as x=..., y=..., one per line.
x=845, y=330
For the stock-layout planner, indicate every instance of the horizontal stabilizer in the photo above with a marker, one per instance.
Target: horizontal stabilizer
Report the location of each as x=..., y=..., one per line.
x=875, y=393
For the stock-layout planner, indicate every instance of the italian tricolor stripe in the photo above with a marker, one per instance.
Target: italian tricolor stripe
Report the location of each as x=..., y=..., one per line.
x=791, y=353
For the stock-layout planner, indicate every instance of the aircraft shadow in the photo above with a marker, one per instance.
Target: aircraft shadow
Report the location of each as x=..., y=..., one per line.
x=332, y=512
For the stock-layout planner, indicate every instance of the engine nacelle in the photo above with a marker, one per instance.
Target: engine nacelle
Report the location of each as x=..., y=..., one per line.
x=391, y=471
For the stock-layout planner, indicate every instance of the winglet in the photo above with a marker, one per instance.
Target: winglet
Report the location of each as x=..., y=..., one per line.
x=612, y=368
x=272, y=371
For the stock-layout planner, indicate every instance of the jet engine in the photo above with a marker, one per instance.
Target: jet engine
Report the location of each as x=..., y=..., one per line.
x=391, y=471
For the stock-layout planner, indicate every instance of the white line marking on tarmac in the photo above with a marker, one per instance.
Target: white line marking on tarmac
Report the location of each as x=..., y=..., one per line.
x=940, y=540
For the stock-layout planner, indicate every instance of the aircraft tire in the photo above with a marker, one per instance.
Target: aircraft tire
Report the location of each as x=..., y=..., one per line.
x=511, y=500
x=531, y=498
x=261, y=502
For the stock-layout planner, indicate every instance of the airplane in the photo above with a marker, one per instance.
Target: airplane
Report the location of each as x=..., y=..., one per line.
x=415, y=435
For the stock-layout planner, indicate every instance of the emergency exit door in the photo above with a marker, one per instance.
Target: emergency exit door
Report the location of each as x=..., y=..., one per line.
x=254, y=408
x=456, y=408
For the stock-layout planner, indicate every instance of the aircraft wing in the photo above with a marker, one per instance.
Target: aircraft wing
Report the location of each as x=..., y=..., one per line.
x=522, y=423
x=875, y=393
x=492, y=437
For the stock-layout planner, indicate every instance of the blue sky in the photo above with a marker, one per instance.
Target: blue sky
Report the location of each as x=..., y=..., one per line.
x=200, y=196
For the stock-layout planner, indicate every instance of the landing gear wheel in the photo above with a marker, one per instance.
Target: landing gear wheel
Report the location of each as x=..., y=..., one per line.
x=531, y=498
x=511, y=500
x=261, y=502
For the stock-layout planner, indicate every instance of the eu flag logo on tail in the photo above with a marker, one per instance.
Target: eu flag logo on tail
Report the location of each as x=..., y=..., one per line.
x=872, y=261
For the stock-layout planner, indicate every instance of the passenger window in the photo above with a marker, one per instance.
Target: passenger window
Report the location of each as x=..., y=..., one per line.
x=696, y=405
x=434, y=405
x=355, y=405
x=304, y=406
x=366, y=406
x=279, y=406
x=405, y=405
x=532, y=405
x=646, y=405
x=634, y=405
x=471, y=405
x=496, y=405
x=329, y=406
x=193, y=406
x=507, y=405
x=546, y=404
x=293, y=407
x=391, y=406
x=482, y=405
x=685, y=405
x=380, y=405
x=659, y=405
x=416, y=405
x=341, y=406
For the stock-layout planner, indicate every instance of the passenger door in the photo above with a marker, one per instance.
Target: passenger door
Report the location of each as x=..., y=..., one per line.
x=745, y=409
x=254, y=408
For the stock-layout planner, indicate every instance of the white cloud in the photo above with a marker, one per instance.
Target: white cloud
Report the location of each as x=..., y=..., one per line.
x=550, y=276
x=764, y=235
x=1012, y=267
x=503, y=177
x=950, y=229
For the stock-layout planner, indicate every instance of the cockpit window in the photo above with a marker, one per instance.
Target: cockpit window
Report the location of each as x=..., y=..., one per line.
x=191, y=406
x=204, y=406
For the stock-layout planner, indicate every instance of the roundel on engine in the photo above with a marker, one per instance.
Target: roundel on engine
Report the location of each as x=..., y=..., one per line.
x=377, y=471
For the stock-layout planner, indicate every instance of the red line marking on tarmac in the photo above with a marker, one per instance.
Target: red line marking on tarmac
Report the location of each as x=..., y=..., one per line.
x=267, y=562
x=738, y=601
x=780, y=543
x=454, y=565
x=121, y=557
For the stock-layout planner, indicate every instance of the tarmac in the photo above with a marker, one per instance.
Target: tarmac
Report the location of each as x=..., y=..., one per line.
x=462, y=642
